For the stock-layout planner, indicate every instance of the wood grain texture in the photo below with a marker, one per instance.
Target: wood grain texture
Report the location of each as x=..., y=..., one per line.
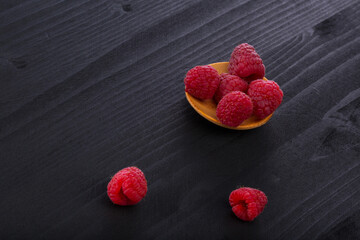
x=90, y=87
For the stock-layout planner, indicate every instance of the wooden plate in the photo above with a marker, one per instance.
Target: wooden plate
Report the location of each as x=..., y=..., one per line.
x=207, y=108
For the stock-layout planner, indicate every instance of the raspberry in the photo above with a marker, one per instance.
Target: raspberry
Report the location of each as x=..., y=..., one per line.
x=247, y=203
x=127, y=187
x=229, y=83
x=246, y=63
x=234, y=108
x=266, y=97
x=202, y=81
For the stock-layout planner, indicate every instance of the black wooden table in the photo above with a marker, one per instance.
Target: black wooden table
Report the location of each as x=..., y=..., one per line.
x=90, y=87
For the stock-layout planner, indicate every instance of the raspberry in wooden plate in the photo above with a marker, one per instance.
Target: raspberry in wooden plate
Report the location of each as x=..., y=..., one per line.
x=202, y=82
x=246, y=63
x=234, y=108
x=266, y=97
x=229, y=83
x=207, y=107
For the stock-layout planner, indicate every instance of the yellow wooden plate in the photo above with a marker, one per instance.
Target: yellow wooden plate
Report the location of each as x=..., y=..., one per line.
x=207, y=108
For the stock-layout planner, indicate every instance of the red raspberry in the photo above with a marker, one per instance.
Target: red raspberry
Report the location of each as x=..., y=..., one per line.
x=246, y=63
x=247, y=203
x=202, y=81
x=234, y=108
x=127, y=187
x=229, y=83
x=266, y=97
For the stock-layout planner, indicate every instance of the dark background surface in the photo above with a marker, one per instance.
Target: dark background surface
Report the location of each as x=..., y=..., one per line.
x=90, y=87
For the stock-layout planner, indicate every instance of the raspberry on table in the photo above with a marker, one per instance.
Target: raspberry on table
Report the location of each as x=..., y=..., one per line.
x=229, y=83
x=234, y=108
x=202, y=82
x=246, y=63
x=266, y=97
x=247, y=203
x=127, y=187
